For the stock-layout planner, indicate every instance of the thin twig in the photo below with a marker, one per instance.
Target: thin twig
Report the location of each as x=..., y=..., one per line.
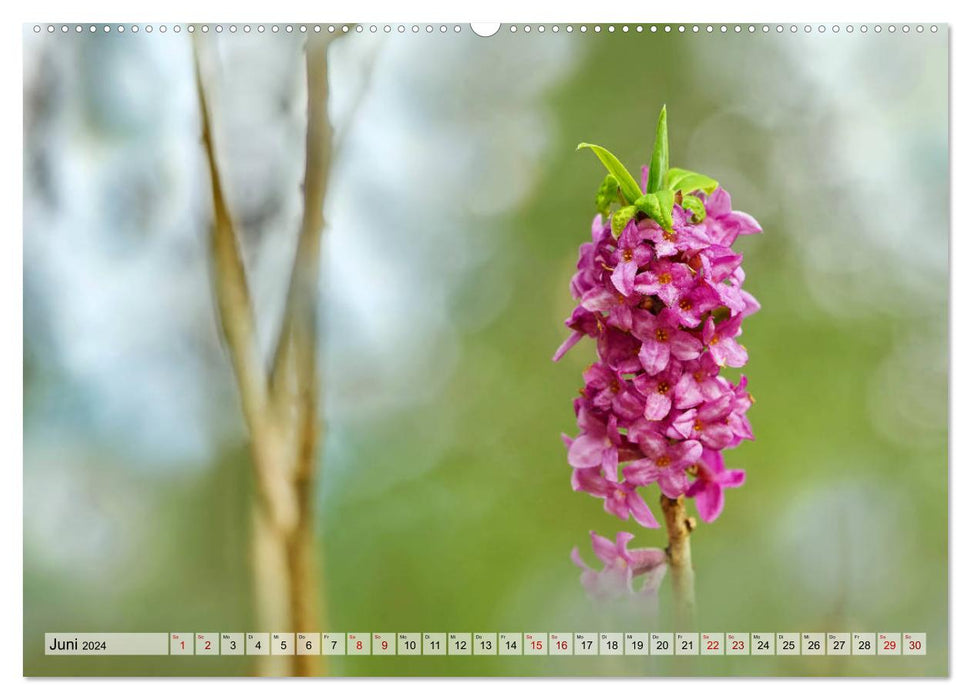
x=322, y=144
x=237, y=320
x=280, y=406
x=231, y=287
x=301, y=327
x=300, y=312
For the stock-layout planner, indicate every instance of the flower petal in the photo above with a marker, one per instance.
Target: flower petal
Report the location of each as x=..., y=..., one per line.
x=643, y=560
x=610, y=459
x=689, y=451
x=623, y=277
x=672, y=482
x=578, y=560
x=566, y=345
x=616, y=506
x=685, y=346
x=599, y=299
x=642, y=514
x=709, y=501
x=730, y=353
x=733, y=478
x=641, y=473
x=586, y=451
x=716, y=436
x=686, y=392
x=621, y=541
x=683, y=425
x=605, y=550
x=654, y=356
x=590, y=481
x=657, y=406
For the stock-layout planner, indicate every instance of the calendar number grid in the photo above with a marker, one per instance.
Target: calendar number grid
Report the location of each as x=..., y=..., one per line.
x=488, y=644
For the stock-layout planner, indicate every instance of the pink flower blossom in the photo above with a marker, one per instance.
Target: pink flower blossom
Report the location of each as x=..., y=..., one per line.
x=611, y=304
x=718, y=262
x=619, y=350
x=720, y=339
x=695, y=304
x=632, y=252
x=665, y=463
x=658, y=390
x=597, y=444
x=666, y=279
x=699, y=382
x=708, y=489
x=661, y=338
x=683, y=237
x=620, y=498
x=708, y=423
x=621, y=567
x=583, y=323
x=724, y=225
x=607, y=390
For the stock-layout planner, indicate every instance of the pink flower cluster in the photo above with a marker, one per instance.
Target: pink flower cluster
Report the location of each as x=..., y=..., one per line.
x=665, y=308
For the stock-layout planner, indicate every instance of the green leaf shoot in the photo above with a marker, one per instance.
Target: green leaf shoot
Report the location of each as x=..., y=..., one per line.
x=658, y=206
x=695, y=206
x=687, y=181
x=659, y=159
x=607, y=194
x=621, y=218
x=628, y=185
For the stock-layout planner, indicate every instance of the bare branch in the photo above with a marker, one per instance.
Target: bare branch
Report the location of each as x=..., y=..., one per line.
x=294, y=360
x=231, y=287
x=294, y=373
x=280, y=407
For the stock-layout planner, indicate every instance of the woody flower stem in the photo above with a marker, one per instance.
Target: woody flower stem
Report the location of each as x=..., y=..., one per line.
x=679, y=527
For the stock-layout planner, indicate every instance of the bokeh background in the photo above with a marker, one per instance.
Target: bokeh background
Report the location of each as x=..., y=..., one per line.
x=456, y=207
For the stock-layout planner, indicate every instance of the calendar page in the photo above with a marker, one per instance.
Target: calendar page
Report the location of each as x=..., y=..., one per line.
x=521, y=349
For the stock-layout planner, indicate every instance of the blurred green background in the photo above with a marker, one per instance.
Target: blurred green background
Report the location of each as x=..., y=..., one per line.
x=455, y=213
